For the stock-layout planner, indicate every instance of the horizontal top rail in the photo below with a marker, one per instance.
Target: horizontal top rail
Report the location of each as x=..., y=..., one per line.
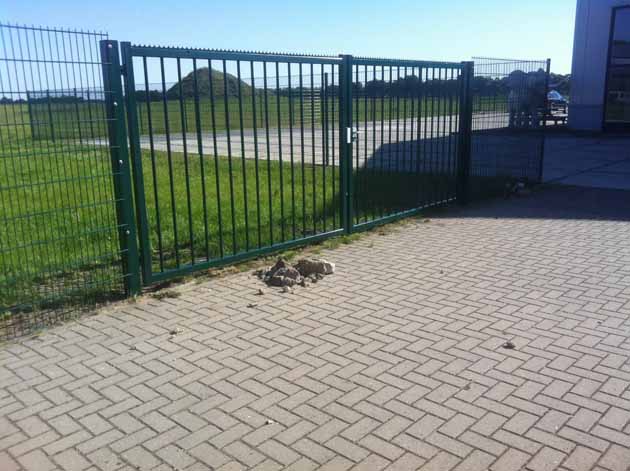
x=218, y=54
x=405, y=62
x=45, y=29
x=501, y=60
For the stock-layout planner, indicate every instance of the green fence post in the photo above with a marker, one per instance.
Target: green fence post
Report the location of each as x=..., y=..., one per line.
x=465, y=133
x=136, y=160
x=544, y=123
x=114, y=106
x=345, y=140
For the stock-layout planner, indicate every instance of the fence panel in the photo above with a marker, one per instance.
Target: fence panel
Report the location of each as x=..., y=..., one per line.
x=234, y=154
x=510, y=104
x=59, y=231
x=405, y=118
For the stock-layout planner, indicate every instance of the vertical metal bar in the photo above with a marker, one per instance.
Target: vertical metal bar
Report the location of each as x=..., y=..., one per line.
x=213, y=119
x=426, y=171
x=324, y=143
x=256, y=166
x=268, y=147
x=373, y=156
x=184, y=122
x=229, y=149
x=381, y=153
x=136, y=161
x=389, y=121
x=403, y=85
x=345, y=140
x=280, y=164
x=204, y=196
x=120, y=165
x=541, y=165
x=314, y=164
x=419, y=155
x=465, y=131
x=409, y=95
x=78, y=115
x=366, y=170
x=90, y=117
x=335, y=97
x=290, y=92
x=158, y=219
x=31, y=116
x=434, y=162
x=169, y=155
x=398, y=86
x=243, y=161
x=356, y=172
x=301, y=82
x=443, y=137
x=50, y=116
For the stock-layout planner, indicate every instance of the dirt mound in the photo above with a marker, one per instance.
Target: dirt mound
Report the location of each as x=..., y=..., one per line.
x=284, y=274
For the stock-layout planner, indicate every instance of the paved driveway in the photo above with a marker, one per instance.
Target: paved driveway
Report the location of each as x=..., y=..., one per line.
x=394, y=362
x=601, y=161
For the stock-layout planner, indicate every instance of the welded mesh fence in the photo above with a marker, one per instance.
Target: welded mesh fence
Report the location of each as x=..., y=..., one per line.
x=58, y=226
x=510, y=101
x=234, y=155
x=405, y=116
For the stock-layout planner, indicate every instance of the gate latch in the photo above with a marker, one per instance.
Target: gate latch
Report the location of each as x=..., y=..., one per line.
x=352, y=135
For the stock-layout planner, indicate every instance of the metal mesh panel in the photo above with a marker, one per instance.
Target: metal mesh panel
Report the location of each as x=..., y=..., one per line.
x=58, y=231
x=508, y=120
x=405, y=118
x=234, y=154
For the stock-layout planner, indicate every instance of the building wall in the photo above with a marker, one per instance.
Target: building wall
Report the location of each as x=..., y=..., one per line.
x=590, y=58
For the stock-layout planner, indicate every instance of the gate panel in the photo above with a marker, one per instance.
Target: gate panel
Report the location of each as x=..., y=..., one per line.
x=405, y=137
x=235, y=154
x=510, y=106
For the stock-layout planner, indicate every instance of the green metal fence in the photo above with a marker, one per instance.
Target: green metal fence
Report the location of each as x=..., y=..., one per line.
x=508, y=128
x=59, y=244
x=125, y=165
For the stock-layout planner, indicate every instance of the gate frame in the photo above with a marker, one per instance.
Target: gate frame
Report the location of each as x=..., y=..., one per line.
x=130, y=51
x=136, y=243
x=117, y=133
x=463, y=160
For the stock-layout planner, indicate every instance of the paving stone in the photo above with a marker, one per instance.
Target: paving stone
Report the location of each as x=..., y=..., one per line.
x=398, y=366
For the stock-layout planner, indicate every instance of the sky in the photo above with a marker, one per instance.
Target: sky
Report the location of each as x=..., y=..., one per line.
x=451, y=30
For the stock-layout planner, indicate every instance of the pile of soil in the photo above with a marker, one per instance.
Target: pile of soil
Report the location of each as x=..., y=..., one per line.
x=284, y=274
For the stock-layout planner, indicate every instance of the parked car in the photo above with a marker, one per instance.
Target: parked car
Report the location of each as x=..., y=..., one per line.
x=557, y=102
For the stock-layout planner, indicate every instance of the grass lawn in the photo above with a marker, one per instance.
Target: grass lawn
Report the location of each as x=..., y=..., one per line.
x=84, y=120
x=59, y=240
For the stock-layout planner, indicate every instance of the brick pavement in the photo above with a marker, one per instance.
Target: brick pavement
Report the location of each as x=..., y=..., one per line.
x=393, y=363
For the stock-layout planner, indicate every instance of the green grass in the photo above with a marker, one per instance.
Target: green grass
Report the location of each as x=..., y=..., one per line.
x=85, y=121
x=58, y=240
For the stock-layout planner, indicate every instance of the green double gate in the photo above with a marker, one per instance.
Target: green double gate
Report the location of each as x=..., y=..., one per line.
x=235, y=154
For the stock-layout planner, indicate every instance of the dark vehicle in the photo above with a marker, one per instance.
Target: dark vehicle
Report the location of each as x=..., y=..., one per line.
x=557, y=102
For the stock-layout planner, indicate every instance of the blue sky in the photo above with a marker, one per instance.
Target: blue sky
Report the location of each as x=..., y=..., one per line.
x=420, y=29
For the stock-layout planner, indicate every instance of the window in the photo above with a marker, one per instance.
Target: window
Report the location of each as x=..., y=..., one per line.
x=618, y=83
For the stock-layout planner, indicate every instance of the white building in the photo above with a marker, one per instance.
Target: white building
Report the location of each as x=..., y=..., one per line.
x=600, y=76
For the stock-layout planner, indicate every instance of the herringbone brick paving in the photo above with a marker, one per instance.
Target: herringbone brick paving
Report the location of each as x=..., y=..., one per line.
x=395, y=362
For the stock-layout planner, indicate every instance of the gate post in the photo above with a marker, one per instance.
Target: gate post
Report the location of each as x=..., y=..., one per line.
x=544, y=123
x=345, y=140
x=115, y=114
x=135, y=152
x=465, y=133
